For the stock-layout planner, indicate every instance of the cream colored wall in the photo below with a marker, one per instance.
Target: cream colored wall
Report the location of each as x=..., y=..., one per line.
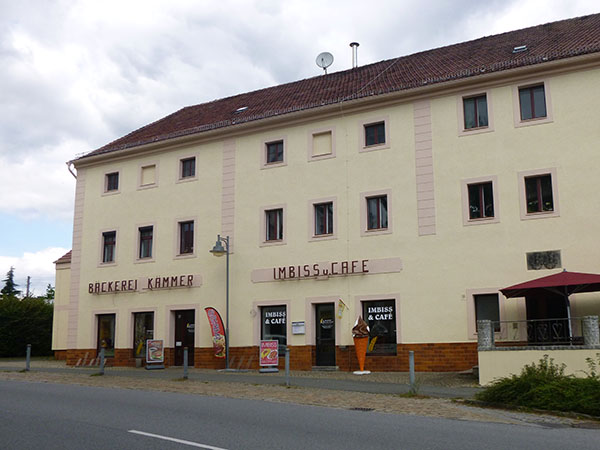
x=498, y=364
x=438, y=270
x=60, y=318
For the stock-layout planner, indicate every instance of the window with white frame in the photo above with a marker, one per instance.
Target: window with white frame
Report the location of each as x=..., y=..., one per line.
x=109, y=243
x=111, y=182
x=187, y=168
x=274, y=224
x=377, y=212
x=475, y=110
x=186, y=237
x=323, y=213
x=146, y=238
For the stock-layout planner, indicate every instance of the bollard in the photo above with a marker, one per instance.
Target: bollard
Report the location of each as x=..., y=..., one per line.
x=28, y=358
x=287, y=366
x=411, y=369
x=102, y=361
x=185, y=363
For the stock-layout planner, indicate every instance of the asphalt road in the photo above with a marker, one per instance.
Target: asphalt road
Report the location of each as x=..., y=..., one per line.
x=55, y=416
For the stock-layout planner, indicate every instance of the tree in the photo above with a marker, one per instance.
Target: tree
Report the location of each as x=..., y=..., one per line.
x=50, y=291
x=10, y=287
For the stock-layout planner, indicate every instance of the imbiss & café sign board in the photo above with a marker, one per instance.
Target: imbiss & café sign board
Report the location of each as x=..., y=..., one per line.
x=145, y=284
x=327, y=269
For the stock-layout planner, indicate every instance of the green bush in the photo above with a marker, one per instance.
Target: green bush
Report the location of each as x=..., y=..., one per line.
x=22, y=322
x=545, y=386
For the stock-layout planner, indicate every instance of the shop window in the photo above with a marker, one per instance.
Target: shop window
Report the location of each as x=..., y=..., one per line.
x=274, y=152
x=323, y=218
x=111, y=182
x=377, y=212
x=481, y=200
x=538, y=194
x=146, y=236
x=475, y=112
x=143, y=329
x=273, y=324
x=106, y=334
x=148, y=175
x=374, y=134
x=380, y=315
x=109, y=242
x=274, y=224
x=487, y=307
x=532, y=102
x=187, y=168
x=186, y=237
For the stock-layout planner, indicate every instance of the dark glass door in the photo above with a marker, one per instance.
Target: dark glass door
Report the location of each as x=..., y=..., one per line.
x=184, y=335
x=325, y=332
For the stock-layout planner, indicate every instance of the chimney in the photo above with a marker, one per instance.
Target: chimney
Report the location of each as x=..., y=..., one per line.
x=354, y=46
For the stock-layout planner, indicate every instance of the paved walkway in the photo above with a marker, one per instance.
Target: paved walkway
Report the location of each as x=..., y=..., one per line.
x=375, y=383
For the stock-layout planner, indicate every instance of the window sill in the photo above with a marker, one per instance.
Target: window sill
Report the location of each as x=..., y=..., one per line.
x=274, y=164
x=107, y=193
x=322, y=237
x=186, y=179
x=374, y=147
x=144, y=260
x=535, y=121
x=185, y=256
x=540, y=215
x=376, y=231
x=477, y=130
x=107, y=264
x=147, y=186
x=482, y=221
x=273, y=243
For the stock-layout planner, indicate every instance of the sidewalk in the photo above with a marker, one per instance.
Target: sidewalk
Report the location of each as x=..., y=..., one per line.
x=449, y=385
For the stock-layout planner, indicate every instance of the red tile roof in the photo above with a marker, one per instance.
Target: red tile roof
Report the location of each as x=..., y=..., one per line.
x=66, y=258
x=549, y=42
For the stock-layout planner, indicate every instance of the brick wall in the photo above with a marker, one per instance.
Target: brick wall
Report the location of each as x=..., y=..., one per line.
x=60, y=355
x=438, y=357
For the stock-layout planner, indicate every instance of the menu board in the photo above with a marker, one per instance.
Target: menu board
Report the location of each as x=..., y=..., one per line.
x=155, y=351
x=269, y=353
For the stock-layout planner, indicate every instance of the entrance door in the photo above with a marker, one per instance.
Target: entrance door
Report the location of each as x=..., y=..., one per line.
x=325, y=332
x=184, y=335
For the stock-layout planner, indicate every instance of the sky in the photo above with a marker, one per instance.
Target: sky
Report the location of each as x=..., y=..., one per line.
x=77, y=74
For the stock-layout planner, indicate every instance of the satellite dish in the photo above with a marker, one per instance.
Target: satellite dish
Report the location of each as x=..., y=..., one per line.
x=324, y=60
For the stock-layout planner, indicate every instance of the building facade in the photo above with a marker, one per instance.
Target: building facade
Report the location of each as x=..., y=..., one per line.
x=408, y=191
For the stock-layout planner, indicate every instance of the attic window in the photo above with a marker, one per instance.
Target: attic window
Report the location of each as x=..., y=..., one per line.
x=239, y=110
x=519, y=49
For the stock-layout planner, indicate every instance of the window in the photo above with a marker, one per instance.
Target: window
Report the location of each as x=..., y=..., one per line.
x=487, y=307
x=188, y=168
x=538, y=194
x=374, y=134
x=380, y=315
x=481, y=200
x=143, y=329
x=106, y=334
x=273, y=324
x=323, y=218
x=377, y=212
x=146, y=237
x=186, y=237
x=532, y=102
x=111, y=182
x=109, y=242
x=274, y=152
x=475, y=112
x=274, y=224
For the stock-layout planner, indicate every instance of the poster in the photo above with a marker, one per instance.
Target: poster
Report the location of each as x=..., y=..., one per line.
x=269, y=353
x=218, y=331
x=155, y=351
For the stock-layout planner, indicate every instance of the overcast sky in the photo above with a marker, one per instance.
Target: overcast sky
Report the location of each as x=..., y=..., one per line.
x=76, y=75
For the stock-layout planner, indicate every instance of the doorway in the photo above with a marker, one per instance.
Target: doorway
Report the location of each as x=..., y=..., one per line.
x=184, y=335
x=325, y=334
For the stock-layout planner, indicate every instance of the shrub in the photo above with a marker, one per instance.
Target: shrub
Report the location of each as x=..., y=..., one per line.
x=22, y=322
x=545, y=386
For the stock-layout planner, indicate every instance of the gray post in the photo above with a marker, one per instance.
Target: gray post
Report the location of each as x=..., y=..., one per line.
x=591, y=332
x=485, y=335
x=102, y=361
x=287, y=366
x=185, y=363
x=28, y=357
x=411, y=370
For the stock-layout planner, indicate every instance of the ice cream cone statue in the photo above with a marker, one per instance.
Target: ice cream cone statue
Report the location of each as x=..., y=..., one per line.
x=360, y=333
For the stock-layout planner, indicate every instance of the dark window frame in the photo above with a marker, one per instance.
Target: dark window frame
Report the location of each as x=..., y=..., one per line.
x=531, y=91
x=476, y=112
x=375, y=327
x=324, y=210
x=146, y=242
x=186, y=237
x=274, y=309
x=109, y=246
x=111, y=182
x=541, y=192
x=274, y=225
x=495, y=322
x=377, y=137
x=381, y=214
x=274, y=152
x=187, y=168
x=484, y=201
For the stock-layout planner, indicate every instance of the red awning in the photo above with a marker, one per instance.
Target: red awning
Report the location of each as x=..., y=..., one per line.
x=565, y=283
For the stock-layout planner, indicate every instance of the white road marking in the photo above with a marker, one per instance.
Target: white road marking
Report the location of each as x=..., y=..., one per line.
x=179, y=441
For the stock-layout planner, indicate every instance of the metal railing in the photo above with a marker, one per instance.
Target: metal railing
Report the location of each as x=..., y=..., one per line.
x=535, y=332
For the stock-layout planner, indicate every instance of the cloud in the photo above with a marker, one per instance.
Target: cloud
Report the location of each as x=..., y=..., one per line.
x=37, y=265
